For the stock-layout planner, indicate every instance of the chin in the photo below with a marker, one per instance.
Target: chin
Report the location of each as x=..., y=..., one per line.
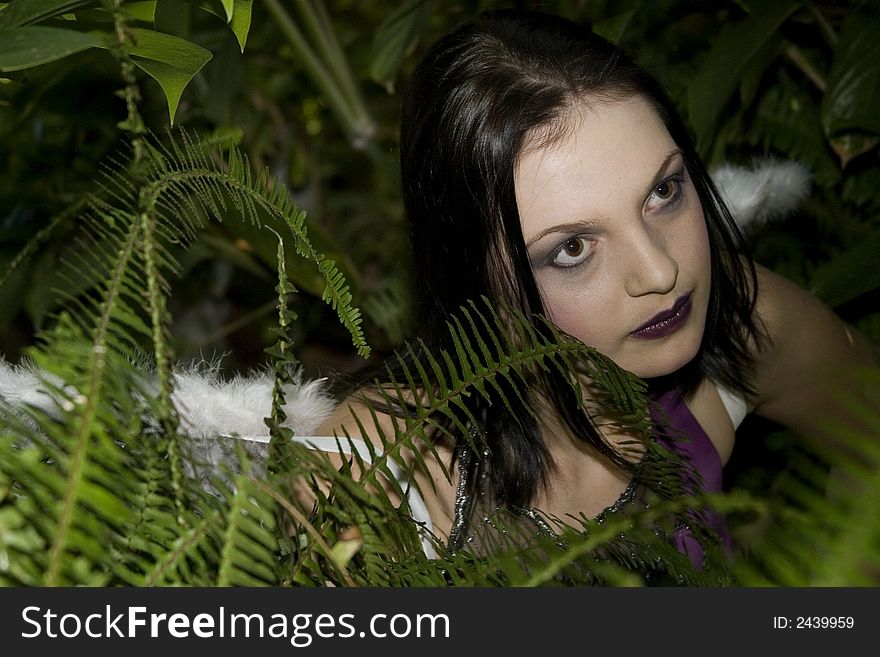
x=663, y=359
x=660, y=369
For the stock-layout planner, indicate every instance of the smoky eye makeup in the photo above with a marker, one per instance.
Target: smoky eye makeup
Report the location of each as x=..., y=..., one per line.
x=669, y=192
x=572, y=244
x=565, y=252
x=543, y=255
x=572, y=252
x=673, y=187
x=572, y=237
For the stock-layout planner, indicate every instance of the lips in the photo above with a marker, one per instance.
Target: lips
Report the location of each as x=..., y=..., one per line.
x=667, y=322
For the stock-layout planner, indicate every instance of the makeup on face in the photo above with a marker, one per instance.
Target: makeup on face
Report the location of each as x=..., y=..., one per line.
x=664, y=195
x=616, y=236
x=667, y=322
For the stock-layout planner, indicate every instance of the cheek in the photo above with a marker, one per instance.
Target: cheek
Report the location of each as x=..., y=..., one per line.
x=577, y=309
x=701, y=250
x=690, y=245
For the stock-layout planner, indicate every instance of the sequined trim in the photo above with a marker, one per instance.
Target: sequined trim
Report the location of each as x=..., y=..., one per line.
x=462, y=502
x=458, y=534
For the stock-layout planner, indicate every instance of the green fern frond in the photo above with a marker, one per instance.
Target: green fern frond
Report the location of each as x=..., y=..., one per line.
x=72, y=478
x=249, y=543
x=370, y=491
x=822, y=531
x=163, y=527
x=517, y=350
x=390, y=308
x=188, y=174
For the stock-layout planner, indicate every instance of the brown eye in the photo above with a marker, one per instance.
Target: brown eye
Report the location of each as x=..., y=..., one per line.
x=573, y=248
x=572, y=252
x=665, y=195
x=664, y=190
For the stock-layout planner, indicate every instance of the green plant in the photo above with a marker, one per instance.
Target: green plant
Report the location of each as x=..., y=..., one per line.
x=107, y=491
x=115, y=315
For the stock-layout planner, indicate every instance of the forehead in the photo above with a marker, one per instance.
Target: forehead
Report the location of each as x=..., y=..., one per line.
x=606, y=155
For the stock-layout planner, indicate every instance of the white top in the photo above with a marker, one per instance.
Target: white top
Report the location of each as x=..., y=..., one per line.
x=736, y=406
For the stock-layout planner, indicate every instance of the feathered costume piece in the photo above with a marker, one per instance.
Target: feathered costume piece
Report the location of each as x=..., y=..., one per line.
x=768, y=189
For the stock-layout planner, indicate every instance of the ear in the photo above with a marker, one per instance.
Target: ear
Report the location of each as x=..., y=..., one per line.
x=769, y=188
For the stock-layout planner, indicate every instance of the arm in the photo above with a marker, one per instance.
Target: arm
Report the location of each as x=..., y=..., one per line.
x=341, y=426
x=807, y=375
x=423, y=478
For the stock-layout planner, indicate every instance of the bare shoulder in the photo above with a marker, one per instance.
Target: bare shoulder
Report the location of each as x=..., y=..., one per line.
x=802, y=328
x=782, y=302
x=808, y=348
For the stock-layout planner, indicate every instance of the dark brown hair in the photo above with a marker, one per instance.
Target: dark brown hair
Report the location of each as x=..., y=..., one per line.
x=477, y=96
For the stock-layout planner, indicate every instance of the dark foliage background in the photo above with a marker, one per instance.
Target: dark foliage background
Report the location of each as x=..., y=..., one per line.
x=313, y=97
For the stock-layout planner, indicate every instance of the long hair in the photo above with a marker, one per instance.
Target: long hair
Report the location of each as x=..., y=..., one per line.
x=479, y=93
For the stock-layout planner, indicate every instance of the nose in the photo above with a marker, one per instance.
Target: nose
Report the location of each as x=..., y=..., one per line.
x=651, y=269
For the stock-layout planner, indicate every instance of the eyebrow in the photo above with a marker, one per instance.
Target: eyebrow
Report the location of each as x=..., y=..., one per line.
x=592, y=223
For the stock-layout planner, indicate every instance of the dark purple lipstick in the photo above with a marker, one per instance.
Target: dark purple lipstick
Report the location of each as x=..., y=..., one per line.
x=667, y=322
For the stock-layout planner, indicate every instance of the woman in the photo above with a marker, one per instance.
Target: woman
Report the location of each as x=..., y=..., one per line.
x=543, y=169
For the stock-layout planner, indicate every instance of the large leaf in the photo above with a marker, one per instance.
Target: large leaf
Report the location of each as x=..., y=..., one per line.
x=754, y=71
x=853, y=97
x=144, y=10
x=240, y=23
x=850, y=274
x=25, y=47
x=229, y=8
x=396, y=36
x=721, y=73
x=170, y=60
x=237, y=14
x=786, y=120
x=25, y=12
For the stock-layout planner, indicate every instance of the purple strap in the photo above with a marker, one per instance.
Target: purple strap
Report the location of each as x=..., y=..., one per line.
x=700, y=451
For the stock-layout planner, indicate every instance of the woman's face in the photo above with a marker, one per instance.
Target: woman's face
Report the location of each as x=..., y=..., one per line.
x=616, y=236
